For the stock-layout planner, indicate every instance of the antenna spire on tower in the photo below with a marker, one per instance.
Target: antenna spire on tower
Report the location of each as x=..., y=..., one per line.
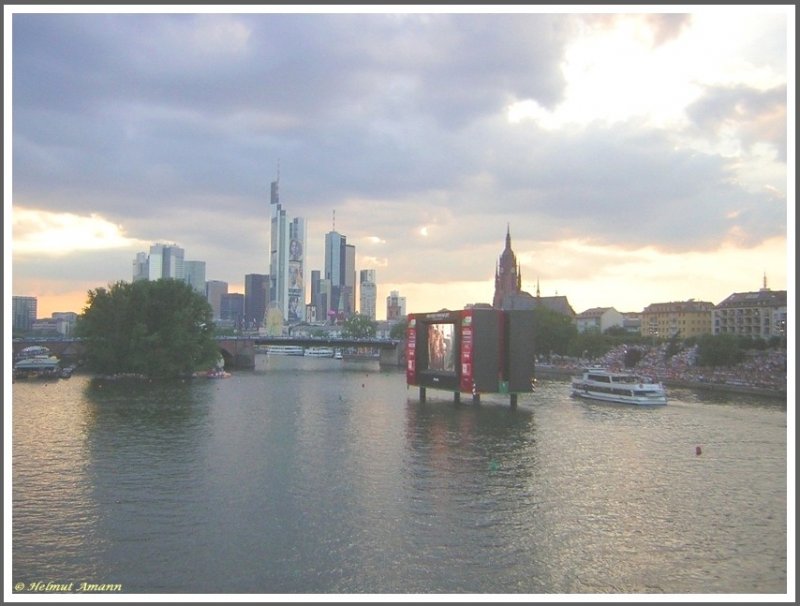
x=334, y=219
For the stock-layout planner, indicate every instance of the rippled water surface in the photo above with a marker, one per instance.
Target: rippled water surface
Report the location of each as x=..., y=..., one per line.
x=323, y=476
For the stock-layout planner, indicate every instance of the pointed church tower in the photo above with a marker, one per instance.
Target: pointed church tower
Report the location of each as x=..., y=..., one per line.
x=507, y=277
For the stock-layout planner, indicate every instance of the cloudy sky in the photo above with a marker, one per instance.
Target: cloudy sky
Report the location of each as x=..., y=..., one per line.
x=637, y=157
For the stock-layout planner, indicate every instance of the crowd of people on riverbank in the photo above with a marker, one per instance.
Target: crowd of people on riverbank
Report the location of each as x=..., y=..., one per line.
x=761, y=369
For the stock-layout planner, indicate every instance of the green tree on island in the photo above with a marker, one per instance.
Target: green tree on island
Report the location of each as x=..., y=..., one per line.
x=158, y=328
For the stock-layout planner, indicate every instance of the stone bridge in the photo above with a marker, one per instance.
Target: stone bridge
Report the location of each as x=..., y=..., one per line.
x=237, y=352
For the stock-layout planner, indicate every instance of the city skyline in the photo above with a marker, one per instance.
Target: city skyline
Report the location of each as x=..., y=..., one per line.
x=637, y=157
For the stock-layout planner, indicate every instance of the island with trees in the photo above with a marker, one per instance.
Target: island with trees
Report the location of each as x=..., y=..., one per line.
x=154, y=329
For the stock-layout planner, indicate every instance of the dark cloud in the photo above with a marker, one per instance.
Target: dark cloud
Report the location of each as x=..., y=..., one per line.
x=173, y=126
x=166, y=104
x=755, y=116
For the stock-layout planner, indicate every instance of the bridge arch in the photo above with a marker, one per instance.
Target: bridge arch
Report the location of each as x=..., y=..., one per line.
x=228, y=358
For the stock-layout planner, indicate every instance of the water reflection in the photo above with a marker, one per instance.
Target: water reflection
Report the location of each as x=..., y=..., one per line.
x=144, y=442
x=303, y=478
x=55, y=517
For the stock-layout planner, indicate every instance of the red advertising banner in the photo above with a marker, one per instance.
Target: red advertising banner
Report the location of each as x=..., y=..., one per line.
x=466, y=383
x=411, y=353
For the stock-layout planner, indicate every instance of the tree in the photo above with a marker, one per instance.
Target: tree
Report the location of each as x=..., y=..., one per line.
x=719, y=350
x=359, y=326
x=398, y=331
x=589, y=345
x=632, y=356
x=553, y=332
x=156, y=328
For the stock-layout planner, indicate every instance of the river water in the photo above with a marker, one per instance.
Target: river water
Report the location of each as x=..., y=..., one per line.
x=317, y=476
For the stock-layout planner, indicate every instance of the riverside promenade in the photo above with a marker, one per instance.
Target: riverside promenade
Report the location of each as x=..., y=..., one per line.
x=763, y=372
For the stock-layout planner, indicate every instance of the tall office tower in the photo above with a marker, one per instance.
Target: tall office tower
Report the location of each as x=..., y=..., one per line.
x=335, y=269
x=24, y=312
x=350, y=278
x=214, y=291
x=256, y=295
x=395, y=307
x=195, y=275
x=232, y=308
x=140, y=267
x=323, y=298
x=369, y=293
x=297, y=290
x=165, y=261
x=319, y=300
x=286, y=260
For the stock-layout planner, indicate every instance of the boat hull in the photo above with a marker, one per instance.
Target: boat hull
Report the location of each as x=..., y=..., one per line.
x=630, y=400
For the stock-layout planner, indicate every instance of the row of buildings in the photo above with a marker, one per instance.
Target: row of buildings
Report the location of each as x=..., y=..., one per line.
x=756, y=314
x=278, y=298
x=251, y=310
x=280, y=294
x=24, y=318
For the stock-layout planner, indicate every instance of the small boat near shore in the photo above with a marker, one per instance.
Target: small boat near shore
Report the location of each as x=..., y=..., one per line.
x=618, y=387
x=218, y=373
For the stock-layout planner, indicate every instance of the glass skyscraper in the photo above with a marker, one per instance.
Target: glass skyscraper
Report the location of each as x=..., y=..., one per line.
x=286, y=260
x=335, y=270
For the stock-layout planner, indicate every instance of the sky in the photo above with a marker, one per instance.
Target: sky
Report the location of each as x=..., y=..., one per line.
x=637, y=154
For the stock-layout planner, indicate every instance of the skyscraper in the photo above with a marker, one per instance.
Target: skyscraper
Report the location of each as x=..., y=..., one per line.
x=24, y=312
x=141, y=267
x=335, y=270
x=256, y=295
x=214, y=291
x=369, y=293
x=395, y=307
x=195, y=275
x=165, y=261
x=287, y=249
x=350, y=279
x=232, y=308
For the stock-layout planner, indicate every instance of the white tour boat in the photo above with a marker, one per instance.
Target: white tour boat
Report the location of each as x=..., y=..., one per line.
x=318, y=352
x=285, y=350
x=620, y=387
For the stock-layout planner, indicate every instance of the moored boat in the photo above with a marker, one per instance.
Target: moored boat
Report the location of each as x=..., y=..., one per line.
x=618, y=387
x=37, y=362
x=218, y=373
x=285, y=350
x=318, y=352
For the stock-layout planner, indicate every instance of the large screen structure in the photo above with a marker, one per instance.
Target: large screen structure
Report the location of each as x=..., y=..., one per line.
x=473, y=351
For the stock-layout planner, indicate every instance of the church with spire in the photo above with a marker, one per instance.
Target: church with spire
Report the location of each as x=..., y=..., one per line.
x=508, y=293
x=507, y=275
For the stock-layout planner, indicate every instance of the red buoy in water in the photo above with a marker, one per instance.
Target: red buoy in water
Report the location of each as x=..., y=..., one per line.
x=698, y=450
